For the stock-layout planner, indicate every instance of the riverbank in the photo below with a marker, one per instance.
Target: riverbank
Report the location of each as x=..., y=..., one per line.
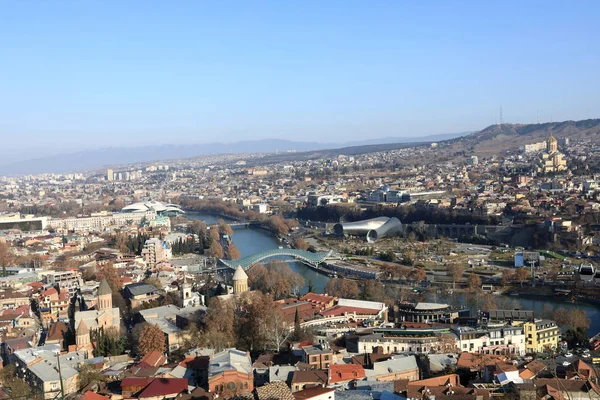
x=220, y=215
x=251, y=240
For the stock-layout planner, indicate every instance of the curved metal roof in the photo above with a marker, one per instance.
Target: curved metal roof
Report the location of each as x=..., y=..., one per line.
x=307, y=256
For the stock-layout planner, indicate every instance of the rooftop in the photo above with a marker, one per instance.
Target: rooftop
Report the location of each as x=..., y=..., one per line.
x=230, y=359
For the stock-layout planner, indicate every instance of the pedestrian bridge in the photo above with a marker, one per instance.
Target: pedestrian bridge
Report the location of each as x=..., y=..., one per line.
x=313, y=259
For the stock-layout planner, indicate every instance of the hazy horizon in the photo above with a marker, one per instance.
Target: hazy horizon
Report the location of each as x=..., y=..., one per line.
x=83, y=75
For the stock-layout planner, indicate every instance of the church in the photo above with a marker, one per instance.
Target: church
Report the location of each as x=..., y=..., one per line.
x=103, y=315
x=551, y=160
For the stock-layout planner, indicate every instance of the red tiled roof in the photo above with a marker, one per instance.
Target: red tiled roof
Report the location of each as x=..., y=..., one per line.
x=341, y=310
x=154, y=359
x=89, y=395
x=21, y=310
x=164, y=387
x=135, y=381
x=49, y=292
x=317, y=298
x=345, y=372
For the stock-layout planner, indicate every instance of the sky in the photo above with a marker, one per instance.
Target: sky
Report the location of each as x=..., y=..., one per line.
x=85, y=74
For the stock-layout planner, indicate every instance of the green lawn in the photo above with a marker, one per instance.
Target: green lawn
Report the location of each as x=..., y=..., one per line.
x=552, y=254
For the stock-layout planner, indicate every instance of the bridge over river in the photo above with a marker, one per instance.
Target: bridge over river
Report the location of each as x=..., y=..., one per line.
x=307, y=257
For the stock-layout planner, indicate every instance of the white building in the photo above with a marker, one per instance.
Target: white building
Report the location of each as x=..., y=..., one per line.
x=498, y=340
x=101, y=221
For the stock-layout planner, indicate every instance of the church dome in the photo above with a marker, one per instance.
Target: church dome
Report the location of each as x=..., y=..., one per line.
x=240, y=274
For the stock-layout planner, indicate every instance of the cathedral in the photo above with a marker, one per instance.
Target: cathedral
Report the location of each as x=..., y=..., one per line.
x=102, y=316
x=551, y=160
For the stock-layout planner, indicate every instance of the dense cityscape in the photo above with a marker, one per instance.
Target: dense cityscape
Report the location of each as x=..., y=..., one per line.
x=299, y=200
x=356, y=276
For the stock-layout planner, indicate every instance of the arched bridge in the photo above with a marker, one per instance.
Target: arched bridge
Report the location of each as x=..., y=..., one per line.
x=304, y=256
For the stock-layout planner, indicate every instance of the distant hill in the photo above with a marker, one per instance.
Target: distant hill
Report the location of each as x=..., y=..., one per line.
x=496, y=139
x=102, y=157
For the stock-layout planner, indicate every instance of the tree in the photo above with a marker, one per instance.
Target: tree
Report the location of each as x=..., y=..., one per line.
x=224, y=228
x=561, y=317
x=13, y=385
x=300, y=244
x=6, y=256
x=89, y=374
x=276, y=278
x=408, y=257
x=373, y=291
x=215, y=250
x=108, y=343
x=191, y=337
x=554, y=272
x=448, y=344
x=388, y=256
x=232, y=252
x=151, y=339
x=473, y=282
x=344, y=288
x=576, y=337
x=114, y=279
x=297, y=328
x=489, y=302
x=507, y=276
x=521, y=275
x=571, y=319
x=579, y=319
x=456, y=271
x=214, y=234
x=418, y=274
x=264, y=325
x=219, y=324
x=277, y=225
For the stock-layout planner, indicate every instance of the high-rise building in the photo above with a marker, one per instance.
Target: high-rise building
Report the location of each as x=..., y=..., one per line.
x=110, y=175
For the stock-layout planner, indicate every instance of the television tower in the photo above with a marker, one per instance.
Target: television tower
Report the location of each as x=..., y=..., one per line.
x=501, y=121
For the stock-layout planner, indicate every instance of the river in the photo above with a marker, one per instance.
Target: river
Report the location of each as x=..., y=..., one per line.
x=251, y=241
x=542, y=306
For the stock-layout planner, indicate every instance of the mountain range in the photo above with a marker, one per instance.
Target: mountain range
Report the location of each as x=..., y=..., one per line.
x=110, y=156
x=494, y=139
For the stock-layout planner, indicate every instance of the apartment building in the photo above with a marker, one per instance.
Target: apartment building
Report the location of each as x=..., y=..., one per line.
x=541, y=334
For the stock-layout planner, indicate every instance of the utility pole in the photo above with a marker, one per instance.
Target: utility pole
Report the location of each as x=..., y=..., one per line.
x=62, y=390
x=532, y=264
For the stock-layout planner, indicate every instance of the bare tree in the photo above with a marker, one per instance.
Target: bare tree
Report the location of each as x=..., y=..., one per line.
x=456, y=271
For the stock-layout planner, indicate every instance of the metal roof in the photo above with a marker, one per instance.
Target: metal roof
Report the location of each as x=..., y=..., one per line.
x=307, y=256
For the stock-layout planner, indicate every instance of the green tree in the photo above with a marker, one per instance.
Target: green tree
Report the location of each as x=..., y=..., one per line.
x=297, y=328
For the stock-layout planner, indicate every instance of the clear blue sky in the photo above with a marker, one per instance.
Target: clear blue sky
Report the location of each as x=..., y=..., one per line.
x=78, y=74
